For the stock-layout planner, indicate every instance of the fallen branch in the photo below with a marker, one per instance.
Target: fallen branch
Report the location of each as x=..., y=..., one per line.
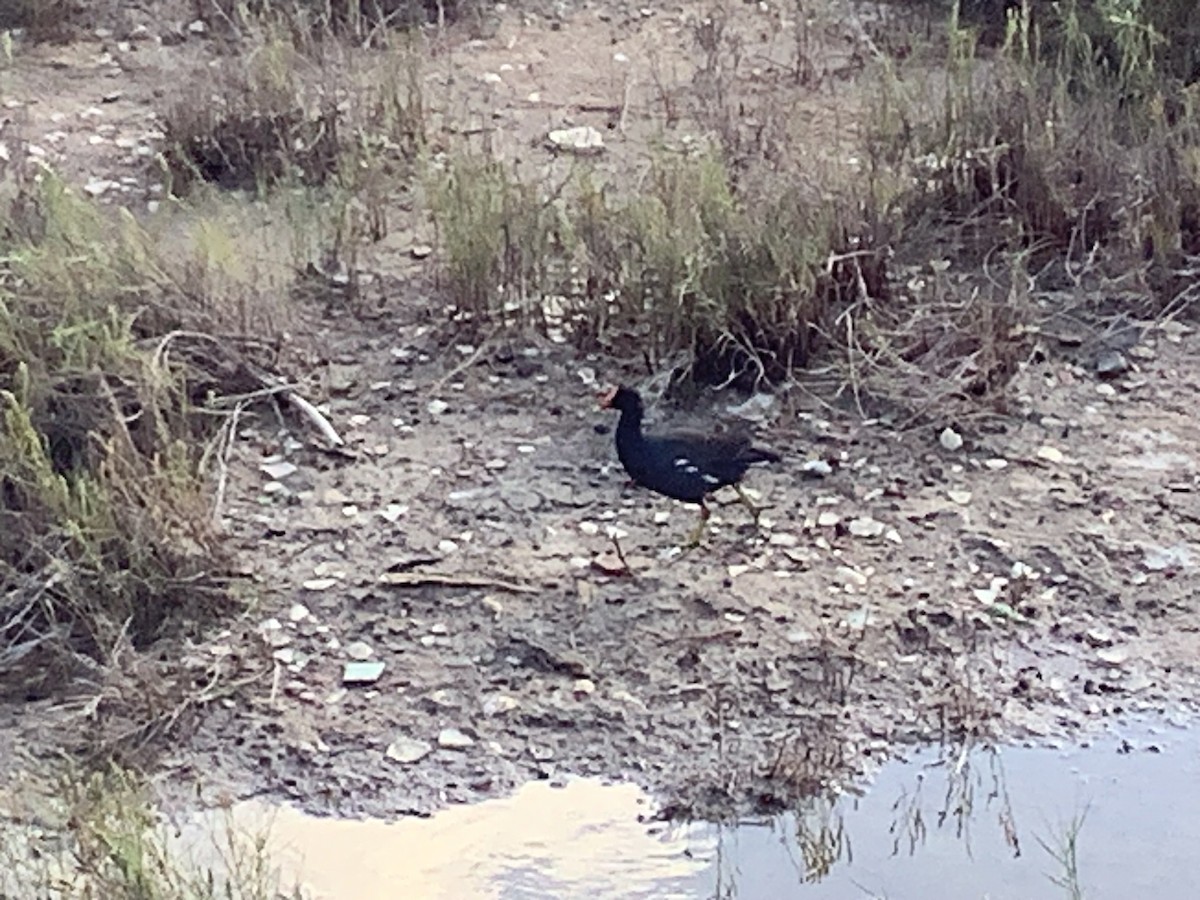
x=422, y=579
x=311, y=413
x=223, y=462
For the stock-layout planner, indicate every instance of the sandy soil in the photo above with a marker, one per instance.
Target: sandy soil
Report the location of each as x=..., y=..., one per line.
x=1024, y=585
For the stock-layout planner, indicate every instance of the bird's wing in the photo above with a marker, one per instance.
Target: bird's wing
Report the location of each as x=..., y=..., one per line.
x=703, y=449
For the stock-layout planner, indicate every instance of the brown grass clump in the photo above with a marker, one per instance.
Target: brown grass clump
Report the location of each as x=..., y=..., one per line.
x=353, y=18
x=41, y=20
x=249, y=125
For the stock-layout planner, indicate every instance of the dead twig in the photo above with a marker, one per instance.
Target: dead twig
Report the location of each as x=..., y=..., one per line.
x=314, y=416
x=223, y=462
x=424, y=579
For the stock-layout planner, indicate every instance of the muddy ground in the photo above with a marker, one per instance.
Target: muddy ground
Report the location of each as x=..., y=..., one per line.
x=1024, y=585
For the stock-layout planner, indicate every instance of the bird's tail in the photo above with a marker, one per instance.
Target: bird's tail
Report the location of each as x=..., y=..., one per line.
x=761, y=455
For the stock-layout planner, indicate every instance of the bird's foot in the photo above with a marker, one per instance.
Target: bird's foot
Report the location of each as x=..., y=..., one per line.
x=693, y=538
x=692, y=541
x=756, y=510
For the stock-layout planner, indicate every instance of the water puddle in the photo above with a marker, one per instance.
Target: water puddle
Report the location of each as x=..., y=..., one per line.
x=944, y=824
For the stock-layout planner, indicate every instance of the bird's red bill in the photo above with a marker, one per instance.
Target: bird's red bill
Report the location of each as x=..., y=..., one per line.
x=606, y=398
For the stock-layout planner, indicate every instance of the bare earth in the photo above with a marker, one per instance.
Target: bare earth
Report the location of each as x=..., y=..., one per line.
x=1037, y=579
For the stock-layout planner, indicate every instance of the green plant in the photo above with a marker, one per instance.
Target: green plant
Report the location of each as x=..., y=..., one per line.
x=503, y=241
x=1065, y=852
x=106, y=533
x=107, y=841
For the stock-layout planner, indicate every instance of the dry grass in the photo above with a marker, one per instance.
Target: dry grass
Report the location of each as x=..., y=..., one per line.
x=990, y=189
x=110, y=379
x=107, y=842
x=738, y=257
x=41, y=20
x=359, y=20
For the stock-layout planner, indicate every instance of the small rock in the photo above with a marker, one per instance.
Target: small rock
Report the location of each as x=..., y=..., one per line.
x=453, y=739
x=852, y=576
x=962, y=498
x=1050, y=454
x=277, y=471
x=98, y=186
x=583, y=687
x=1111, y=364
x=437, y=407
x=420, y=251
x=859, y=619
x=995, y=464
x=1176, y=556
x=828, y=519
x=408, y=750
x=334, y=497
x=760, y=407
x=197, y=27
x=362, y=672
x=359, y=651
x=950, y=439
x=866, y=527
x=581, y=140
x=608, y=564
x=393, y=511
x=1113, y=656
x=298, y=612
x=498, y=705
x=816, y=468
x=319, y=584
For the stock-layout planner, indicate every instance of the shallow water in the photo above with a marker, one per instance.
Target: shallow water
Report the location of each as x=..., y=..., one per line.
x=948, y=824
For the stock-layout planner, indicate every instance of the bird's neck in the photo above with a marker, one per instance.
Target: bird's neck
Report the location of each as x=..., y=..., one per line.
x=629, y=428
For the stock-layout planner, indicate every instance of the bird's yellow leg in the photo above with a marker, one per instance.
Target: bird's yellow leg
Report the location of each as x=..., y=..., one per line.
x=693, y=538
x=755, y=509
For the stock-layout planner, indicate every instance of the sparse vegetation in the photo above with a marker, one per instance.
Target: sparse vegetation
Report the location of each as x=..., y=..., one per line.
x=109, y=844
x=1046, y=156
x=41, y=20
x=1063, y=848
x=969, y=190
x=106, y=532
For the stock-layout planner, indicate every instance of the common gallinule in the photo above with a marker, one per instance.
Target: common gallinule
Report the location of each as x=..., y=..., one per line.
x=684, y=466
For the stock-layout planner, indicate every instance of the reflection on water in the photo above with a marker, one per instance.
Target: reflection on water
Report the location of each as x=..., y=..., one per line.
x=986, y=823
x=580, y=840
x=962, y=823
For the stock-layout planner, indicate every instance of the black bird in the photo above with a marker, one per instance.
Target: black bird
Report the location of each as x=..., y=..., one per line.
x=682, y=465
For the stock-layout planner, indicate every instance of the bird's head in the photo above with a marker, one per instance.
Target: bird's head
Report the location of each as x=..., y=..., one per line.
x=621, y=398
